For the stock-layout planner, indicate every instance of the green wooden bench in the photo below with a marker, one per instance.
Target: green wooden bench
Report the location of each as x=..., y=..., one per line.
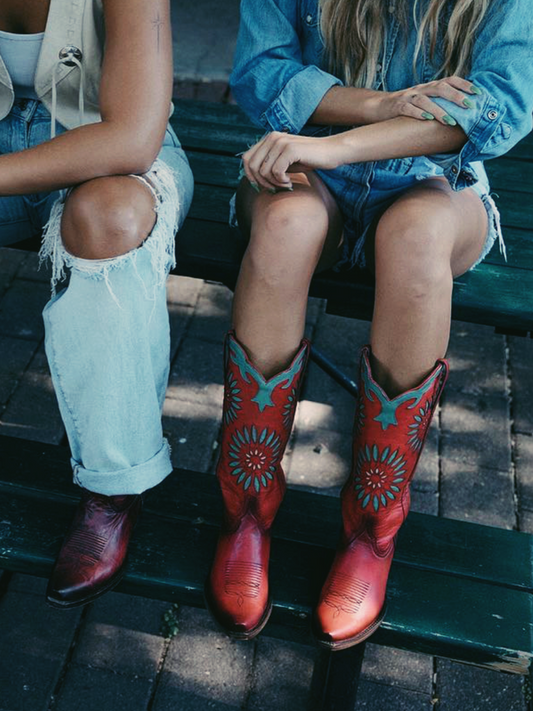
x=457, y=590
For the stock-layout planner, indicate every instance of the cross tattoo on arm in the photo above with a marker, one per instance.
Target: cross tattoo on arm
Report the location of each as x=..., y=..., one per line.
x=157, y=24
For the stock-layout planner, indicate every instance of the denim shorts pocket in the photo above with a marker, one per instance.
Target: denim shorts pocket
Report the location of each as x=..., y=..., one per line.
x=399, y=166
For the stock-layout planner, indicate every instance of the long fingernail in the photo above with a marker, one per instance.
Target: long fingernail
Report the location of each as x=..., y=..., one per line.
x=469, y=104
x=449, y=120
x=476, y=90
x=426, y=115
x=256, y=187
x=272, y=190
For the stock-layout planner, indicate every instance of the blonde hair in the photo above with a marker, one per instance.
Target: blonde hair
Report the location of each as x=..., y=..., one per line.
x=354, y=33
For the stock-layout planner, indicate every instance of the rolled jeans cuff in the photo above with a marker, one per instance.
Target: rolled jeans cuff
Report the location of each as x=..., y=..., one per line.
x=133, y=480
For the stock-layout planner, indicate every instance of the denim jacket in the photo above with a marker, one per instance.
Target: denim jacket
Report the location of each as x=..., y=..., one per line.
x=279, y=76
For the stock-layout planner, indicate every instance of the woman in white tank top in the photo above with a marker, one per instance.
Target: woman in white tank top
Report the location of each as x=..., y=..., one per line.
x=87, y=156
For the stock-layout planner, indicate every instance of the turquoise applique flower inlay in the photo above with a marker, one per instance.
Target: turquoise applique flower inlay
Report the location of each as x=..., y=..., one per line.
x=378, y=476
x=288, y=409
x=233, y=399
x=417, y=430
x=254, y=456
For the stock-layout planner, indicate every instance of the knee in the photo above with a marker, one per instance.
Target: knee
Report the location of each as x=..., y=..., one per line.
x=414, y=254
x=286, y=243
x=101, y=222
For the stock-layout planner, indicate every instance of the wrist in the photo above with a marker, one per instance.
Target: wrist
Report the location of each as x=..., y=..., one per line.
x=343, y=148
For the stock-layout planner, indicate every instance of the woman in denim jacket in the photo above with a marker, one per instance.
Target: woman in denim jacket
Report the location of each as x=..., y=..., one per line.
x=86, y=149
x=415, y=95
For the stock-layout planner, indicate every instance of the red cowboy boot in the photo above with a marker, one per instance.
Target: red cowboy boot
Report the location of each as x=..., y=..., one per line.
x=92, y=557
x=257, y=421
x=388, y=439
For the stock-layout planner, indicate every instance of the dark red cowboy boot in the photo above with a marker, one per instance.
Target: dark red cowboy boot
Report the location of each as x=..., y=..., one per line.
x=92, y=557
x=388, y=439
x=257, y=421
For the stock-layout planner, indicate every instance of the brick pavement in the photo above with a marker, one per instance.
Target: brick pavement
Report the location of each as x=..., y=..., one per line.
x=113, y=654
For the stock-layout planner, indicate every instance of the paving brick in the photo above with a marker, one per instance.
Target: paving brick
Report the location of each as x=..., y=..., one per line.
x=122, y=634
x=204, y=39
x=212, y=315
x=282, y=676
x=397, y=668
x=473, y=493
x=426, y=502
x=179, y=317
x=476, y=430
x=520, y=359
x=341, y=339
x=377, y=697
x=524, y=471
x=183, y=290
x=10, y=261
x=192, y=431
x=32, y=412
x=86, y=689
x=477, y=360
x=525, y=521
x=314, y=415
x=203, y=669
x=28, y=584
x=426, y=478
x=34, y=643
x=30, y=269
x=320, y=461
x=16, y=354
x=21, y=309
x=315, y=309
x=471, y=689
x=328, y=404
x=197, y=373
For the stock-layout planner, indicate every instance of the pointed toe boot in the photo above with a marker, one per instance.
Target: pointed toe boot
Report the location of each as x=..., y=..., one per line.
x=257, y=420
x=93, y=554
x=389, y=435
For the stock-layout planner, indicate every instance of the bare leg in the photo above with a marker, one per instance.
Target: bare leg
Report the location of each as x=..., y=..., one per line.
x=429, y=236
x=291, y=234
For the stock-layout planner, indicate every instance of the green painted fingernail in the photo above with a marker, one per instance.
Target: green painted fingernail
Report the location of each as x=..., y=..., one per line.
x=272, y=190
x=449, y=120
x=469, y=104
x=256, y=187
x=426, y=115
x=476, y=90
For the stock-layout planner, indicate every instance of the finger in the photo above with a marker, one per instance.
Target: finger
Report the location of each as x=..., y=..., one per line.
x=280, y=168
x=256, y=160
x=429, y=110
x=446, y=91
x=415, y=107
x=464, y=85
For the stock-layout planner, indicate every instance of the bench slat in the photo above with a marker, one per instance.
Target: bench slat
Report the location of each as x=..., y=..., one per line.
x=463, y=619
x=457, y=548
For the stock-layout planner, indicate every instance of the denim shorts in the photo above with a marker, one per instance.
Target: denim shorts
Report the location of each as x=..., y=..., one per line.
x=24, y=216
x=363, y=191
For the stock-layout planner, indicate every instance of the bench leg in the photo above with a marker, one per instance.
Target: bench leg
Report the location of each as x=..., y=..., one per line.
x=335, y=679
x=331, y=369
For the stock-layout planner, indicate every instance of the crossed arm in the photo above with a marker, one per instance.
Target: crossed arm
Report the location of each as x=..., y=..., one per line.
x=135, y=94
x=269, y=163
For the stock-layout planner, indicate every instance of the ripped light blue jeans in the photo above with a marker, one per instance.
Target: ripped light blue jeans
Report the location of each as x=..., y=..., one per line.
x=107, y=331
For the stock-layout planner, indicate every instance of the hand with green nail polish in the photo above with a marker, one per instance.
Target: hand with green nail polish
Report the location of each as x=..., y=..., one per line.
x=449, y=120
x=418, y=101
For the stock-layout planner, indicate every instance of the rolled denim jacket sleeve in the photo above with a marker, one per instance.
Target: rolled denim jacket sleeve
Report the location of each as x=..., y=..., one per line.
x=270, y=80
x=502, y=67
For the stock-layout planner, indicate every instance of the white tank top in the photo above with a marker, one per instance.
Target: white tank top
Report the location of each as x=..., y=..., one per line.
x=21, y=54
